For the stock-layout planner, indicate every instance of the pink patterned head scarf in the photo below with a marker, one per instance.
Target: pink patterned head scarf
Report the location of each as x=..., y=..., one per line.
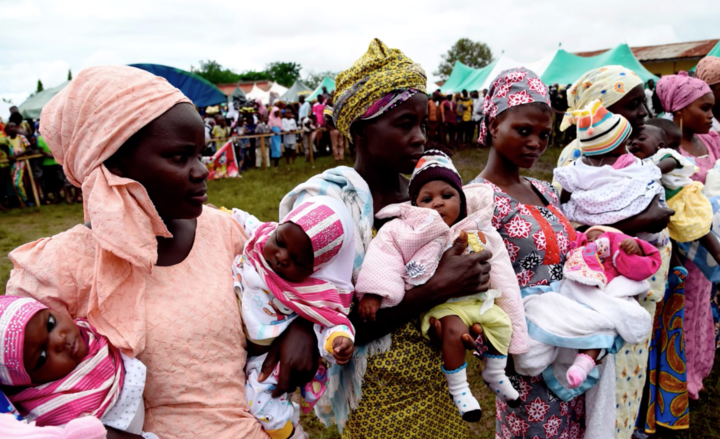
x=708, y=69
x=324, y=297
x=678, y=91
x=15, y=313
x=511, y=88
x=324, y=228
x=84, y=125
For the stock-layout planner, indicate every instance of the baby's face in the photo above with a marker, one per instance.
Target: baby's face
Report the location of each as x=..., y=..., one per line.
x=289, y=253
x=439, y=195
x=647, y=142
x=53, y=346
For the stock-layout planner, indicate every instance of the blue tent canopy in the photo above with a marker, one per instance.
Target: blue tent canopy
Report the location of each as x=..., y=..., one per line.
x=199, y=90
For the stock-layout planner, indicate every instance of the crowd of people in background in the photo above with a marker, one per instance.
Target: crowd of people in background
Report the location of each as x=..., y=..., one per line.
x=27, y=166
x=293, y=128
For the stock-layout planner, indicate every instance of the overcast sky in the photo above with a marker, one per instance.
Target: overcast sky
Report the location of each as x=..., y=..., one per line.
x=43, y=39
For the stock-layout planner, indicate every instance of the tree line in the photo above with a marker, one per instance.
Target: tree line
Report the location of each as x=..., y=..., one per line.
x=282, y=72
x=471, y=53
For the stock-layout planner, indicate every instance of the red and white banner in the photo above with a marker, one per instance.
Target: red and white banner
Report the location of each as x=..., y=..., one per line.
x=224, y=163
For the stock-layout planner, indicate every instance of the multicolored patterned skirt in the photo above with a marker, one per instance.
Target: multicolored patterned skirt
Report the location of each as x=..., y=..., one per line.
x=18, y=179
x=668, y=394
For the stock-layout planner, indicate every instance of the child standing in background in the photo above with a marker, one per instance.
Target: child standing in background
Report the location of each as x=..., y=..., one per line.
x=262, y=128
x=289, y=126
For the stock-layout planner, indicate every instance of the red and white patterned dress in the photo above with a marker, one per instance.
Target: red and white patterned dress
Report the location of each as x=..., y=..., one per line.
x=537, y=239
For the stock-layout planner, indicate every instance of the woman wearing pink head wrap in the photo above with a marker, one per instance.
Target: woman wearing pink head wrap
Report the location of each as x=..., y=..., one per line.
x=690, y=102
x=708, y=69
x=149, y=268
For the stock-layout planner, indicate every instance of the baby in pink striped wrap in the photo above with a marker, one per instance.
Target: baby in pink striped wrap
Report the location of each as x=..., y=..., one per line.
x=300, y=268
x=55, y=369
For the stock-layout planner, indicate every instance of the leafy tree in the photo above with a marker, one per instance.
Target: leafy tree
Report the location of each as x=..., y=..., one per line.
x=252, y=75
x=69, y=75
x=471, y=53
x=284, y=73
x=214, y=72
x=313, y=79
x=39, y=87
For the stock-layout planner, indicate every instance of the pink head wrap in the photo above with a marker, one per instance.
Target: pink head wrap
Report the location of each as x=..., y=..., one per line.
x=85, y=124
x=15, y=313
x=678, y=91
x=324, y=297
x=708, y=69
x=324, y=228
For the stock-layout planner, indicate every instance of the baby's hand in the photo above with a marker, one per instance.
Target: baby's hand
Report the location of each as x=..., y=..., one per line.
x=343, y=349
x=369, y=305
x=630, y=247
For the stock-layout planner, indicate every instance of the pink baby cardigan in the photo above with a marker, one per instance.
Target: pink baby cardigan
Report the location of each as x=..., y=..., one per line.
x=418, y=237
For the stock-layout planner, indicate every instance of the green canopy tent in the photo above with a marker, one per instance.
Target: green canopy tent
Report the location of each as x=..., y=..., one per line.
x=467, y=78
x=298, y=89
x=326, y=82
x=566, y=68
x=33, y=106
x=715, y=51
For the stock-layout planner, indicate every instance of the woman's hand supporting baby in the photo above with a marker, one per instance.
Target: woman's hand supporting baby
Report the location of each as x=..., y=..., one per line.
x=652, y=220
x=296, y=350
x=457, y=275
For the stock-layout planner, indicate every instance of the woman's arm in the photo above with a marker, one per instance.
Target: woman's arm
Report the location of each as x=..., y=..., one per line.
x=457, y=275
x=653, y=219
x=296, y=350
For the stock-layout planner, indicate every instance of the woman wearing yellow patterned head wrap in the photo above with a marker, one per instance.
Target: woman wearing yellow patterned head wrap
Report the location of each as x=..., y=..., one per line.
x=394, y=386
x=375, y=75
x=619, y=89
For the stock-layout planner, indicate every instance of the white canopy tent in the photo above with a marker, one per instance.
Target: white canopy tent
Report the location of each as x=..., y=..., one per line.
x=258, y=93
x=277, y=88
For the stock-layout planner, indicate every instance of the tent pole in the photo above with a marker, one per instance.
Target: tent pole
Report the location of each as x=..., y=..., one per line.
x=32, y=183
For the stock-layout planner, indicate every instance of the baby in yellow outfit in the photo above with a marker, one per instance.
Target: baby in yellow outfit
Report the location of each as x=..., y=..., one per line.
x=659, y=141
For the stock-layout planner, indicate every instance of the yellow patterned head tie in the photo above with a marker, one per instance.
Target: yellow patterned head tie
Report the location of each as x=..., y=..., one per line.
x=378, y=72
x=609, y=84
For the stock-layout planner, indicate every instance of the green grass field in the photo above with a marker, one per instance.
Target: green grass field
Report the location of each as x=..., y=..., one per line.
x=260, y=192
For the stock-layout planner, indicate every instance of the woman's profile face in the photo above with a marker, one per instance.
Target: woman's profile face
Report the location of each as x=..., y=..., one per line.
x=164, y=156
x=396, y=140
x=521, y=134
x=698, y=116
x=632, y=107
